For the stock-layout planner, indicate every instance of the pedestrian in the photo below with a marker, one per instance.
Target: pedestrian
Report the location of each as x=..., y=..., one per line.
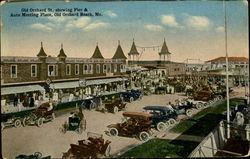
x=26, y=100
x=32, y=101
x=15, y=100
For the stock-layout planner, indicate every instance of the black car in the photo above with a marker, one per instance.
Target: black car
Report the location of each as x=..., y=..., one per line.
x=92, y=102
x=162, y=116
x=131, y=95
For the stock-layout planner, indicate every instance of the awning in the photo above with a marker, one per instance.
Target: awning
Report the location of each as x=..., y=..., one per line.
x=21, y=89
x=75, y=84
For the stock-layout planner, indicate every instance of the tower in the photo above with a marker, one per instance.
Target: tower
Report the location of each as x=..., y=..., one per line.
x=133, y=54
x=43, y=68
x=164, y=52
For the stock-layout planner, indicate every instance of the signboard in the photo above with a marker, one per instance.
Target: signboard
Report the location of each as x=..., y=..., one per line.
x=82, y=82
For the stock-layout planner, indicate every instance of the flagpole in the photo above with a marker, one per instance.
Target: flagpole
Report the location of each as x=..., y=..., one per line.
x=227, y=89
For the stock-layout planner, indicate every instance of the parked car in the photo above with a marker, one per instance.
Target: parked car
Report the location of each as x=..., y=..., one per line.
x=136, y=124
x=203, y=95
x=162, y=116
x=76, y=122
x=36, y=155
x=131, y=95
x=42, y=114
x=160, y=90
x=93, y=147
x=114, y=105
x=92, y=102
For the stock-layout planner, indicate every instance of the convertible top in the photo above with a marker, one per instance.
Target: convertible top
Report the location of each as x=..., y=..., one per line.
x=161, y=108
x=137, y=114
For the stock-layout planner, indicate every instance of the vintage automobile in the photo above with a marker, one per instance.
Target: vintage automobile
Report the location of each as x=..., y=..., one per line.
x=184, y=107
x=162, y=116
x=160, y=90
x=92, y=102
x=93, y=147
x=203, y=95
x=114, y=105
x=44, y=113
x=136, y=124
x=131, y=95
x=76, y=122
x=36, y=155
x=13, y=118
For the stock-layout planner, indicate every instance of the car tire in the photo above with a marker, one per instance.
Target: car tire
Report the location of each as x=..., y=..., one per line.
x=107, y=151
x=113, y=132
x=143, y=136
x=39, y=122
x=198, y=105
x=2, y=126
x=172, y=121
x=115, y=109
x=17, y=123
x=38, y=154
x=53, y=117
x=220, y=97
x=131, y=99
x=24, y=122
x=189, y=112
x=161, y=126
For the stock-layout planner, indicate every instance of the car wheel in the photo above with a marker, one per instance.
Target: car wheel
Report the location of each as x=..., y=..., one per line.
x=113, y=132
x=107, y=151
x=143, y=136
x=2, y=126
x=17, y=123
x=24, y=122
x=161, y=126
x=172, y=121
x=79, y=130
x=53, y=116
x=220, y=97
x=131, y=99
x=189, y=112
x=38, y=154
x=62, y=130
x=39, y=122
x=115, y=110
x=198, y=105
x=167, y=124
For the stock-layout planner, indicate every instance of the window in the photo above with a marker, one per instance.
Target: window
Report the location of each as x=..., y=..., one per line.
x=1, y=72
x=122, y=68
x=98, y=68
x=33, y=70
x=76, y=69
x=85, y=69
x=68, y=69
x=108, y=68
x=104, y=68
x=13, y=71
x=115, y=67
x=52, y=70
x=90, y=69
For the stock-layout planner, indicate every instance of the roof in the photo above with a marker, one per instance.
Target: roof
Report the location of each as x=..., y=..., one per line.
x=119, y=53
x=230, y=59
x=41, y=52
x=133, y=50
x=21, y=89
x=156, y=108
x=97, y=53
x=137, y=114
x=164, y=49
x=62, y=53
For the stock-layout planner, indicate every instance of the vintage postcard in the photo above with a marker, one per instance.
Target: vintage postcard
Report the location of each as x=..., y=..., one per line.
x=124, y=79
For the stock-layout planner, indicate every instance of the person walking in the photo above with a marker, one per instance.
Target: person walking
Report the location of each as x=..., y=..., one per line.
x=15, y=100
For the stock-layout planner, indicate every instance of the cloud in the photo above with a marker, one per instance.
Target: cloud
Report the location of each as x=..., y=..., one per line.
x=79, y=23
x=245, y=2
x=43, y=27
x=197, y=22
x=111, y=14
x=220, y=29
x=169, y=20
x=153, y=27
x=57, y=19
x=96, y=25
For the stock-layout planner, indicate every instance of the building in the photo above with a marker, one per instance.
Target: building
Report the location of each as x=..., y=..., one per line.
x=42, y=67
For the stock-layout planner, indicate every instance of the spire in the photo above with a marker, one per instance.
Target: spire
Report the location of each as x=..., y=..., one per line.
x=119, y=53
x=62, y=53
x=164, y=49
x=133, y=50
x=41, y=52
x=97, y=53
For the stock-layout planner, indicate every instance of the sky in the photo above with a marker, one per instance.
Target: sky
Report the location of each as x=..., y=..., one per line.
x=192, y=29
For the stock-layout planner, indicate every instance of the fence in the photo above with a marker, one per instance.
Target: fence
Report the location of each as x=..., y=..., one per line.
x=216, y=140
